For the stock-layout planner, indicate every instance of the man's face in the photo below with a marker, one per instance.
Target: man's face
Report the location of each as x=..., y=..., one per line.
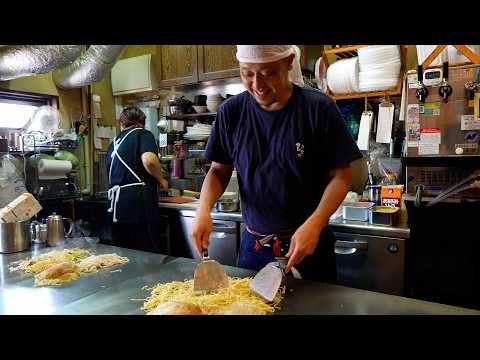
x=267, y=83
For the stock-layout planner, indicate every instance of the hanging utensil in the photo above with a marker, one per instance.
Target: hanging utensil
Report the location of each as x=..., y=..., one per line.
x=209, y=275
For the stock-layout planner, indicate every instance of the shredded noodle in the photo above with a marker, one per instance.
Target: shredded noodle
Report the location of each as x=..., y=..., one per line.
x=58, y=280
x=94, y=263
x=79, y=261
x=210, y=303
x=39, y=263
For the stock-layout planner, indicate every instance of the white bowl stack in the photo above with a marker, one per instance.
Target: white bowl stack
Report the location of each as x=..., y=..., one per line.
x=214, y=102
x=379, y=67
x=198, y=132
x=342, y=76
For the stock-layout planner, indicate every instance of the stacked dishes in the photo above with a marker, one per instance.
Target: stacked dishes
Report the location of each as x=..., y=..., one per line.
x=198, y=132
x=379, y=67
x=342, y=76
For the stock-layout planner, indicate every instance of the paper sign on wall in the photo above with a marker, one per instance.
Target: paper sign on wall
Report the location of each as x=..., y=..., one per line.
x=468, y=122
x=428, y=149
x=413, y=124
x=430, y=136
x=430, y=109
x=364, y=131
x=385, y=122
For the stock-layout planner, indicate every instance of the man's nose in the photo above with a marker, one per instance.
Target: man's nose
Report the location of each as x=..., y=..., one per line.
x=258, y=82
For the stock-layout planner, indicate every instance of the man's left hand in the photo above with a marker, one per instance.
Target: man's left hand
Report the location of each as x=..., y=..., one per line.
x=303, y=243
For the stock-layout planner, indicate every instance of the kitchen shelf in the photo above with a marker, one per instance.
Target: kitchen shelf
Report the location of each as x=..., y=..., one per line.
x=351, y=51
x=190, y=116
x=344, y=52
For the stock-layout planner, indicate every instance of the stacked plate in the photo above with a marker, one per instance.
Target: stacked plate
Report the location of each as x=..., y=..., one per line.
x=198, y=132
x=379, y=67
x=342, y=76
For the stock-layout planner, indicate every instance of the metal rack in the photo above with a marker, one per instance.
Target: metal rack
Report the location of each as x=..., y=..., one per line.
x=35, y=149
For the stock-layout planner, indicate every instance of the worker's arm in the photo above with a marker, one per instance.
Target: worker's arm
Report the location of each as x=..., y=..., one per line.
x=152, y=166
x=213, y=187
x=304, y=241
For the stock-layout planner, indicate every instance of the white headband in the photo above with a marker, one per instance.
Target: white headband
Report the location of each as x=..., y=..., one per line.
x=259, y=54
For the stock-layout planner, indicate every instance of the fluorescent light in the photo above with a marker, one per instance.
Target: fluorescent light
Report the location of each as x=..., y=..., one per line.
x=15, y=115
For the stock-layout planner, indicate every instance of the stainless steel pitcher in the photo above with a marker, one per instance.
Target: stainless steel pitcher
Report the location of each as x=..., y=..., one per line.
x=14, y=237
x=38, y=232
x=56, y=229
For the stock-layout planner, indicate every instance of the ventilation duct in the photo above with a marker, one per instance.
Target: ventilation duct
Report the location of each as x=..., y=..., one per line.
x=90, y=67
x=27, y=60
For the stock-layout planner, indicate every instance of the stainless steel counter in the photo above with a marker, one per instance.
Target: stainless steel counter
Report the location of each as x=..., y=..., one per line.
x=112, y=293
x=340, y=225
x=359, y=227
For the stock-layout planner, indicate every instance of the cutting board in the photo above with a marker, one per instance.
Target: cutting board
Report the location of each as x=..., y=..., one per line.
x=176, y=200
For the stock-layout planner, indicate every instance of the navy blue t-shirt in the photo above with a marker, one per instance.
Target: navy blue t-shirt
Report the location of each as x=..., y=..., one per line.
x=133, y=203
x=283, y=158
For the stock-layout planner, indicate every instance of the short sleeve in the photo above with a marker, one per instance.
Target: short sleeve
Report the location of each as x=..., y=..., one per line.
x=341, y=146
x=217, y=149
x=147, y=142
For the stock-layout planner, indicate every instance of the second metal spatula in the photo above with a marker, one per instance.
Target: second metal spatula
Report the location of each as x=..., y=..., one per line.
x=268, y=280
x=209, y=275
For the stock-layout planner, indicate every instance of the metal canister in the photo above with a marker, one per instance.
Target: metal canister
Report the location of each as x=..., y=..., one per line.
x=14, y=237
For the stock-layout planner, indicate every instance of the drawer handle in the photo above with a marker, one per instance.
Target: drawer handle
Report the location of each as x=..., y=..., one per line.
x=224, y=229
x=360, y=245
x=344, y=251
x=218, y=234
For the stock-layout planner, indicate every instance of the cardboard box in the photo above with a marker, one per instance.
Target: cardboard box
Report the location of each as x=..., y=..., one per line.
x=391, y=195
x=23, y=208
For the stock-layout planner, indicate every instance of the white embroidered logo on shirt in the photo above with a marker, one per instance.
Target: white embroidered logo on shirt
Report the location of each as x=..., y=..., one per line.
x=300, y=150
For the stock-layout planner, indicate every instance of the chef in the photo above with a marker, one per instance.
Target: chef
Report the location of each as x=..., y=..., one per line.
x=134, y=175
x=292, y=152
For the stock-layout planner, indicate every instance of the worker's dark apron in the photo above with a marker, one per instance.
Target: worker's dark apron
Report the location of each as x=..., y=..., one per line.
x=150, y=211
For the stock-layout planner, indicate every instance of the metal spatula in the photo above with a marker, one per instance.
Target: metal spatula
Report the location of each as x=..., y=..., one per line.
x=268, y=280
x=209, y=275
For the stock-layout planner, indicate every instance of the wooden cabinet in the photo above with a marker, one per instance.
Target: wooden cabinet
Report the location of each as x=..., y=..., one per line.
x=178, y=65
x=217, y=62
x=189, y=64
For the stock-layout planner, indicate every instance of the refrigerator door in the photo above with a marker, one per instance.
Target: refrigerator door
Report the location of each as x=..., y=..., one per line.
x=372, y=263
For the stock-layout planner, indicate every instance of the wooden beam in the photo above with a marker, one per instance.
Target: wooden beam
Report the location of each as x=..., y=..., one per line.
x=474, y=58
x=343, y=49
x=433, y=56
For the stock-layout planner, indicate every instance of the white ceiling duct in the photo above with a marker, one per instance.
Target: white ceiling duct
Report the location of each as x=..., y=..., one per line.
x=27, y=60
x=90, y=67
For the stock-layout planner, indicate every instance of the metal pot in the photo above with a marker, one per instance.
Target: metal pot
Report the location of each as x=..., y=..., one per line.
x=15, y=237
x=227, y=205
x=56, y=229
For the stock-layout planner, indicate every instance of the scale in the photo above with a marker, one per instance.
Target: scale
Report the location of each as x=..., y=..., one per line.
x=432, y=77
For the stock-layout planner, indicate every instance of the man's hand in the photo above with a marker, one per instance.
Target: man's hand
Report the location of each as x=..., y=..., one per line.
x=303, y=243
x=201, y=230
x=163, y=184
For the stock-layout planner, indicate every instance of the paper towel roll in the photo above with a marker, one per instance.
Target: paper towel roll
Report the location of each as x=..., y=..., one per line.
x=53, y=169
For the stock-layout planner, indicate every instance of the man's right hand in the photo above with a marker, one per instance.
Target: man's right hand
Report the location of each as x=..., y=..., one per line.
x=201, y=230
x=163, y=184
